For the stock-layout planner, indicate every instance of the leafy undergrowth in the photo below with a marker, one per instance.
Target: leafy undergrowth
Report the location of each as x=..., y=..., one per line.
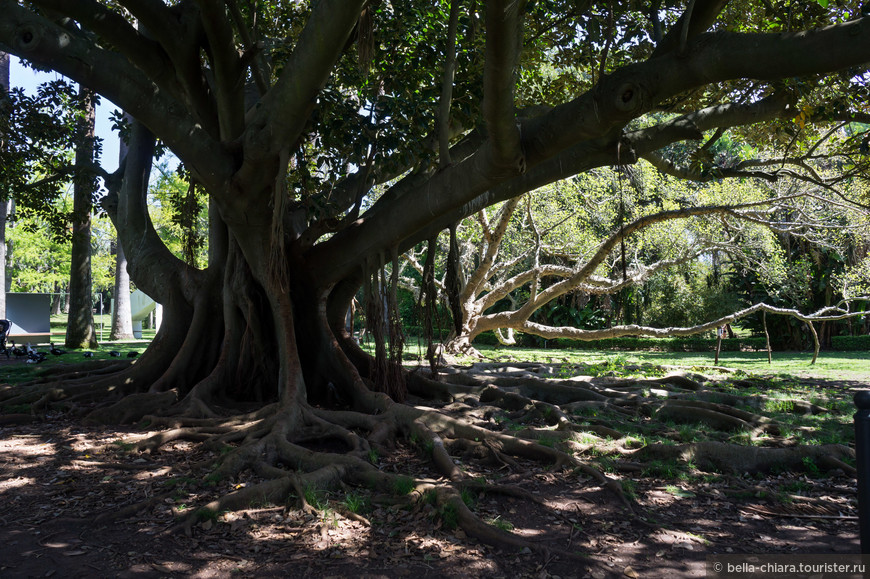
x=682, y=448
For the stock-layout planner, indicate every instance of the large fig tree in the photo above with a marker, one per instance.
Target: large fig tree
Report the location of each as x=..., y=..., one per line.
x=291, y=114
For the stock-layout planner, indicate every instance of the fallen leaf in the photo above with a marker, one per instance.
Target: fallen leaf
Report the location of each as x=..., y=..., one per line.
x=629, y=572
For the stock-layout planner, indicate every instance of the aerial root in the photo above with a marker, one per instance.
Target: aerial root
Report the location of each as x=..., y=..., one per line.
x=42, y=396
x=483, y=449
x=443, y=462
x=272, y=491
x=12, y=419
x=131, y=509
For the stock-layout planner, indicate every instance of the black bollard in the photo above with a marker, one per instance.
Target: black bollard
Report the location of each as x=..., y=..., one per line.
x=862, y=455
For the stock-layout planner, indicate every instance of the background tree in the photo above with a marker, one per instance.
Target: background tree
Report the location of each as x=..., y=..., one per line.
x=122, y=317
x=37, y=168
x=615, y=240
x=80, y=331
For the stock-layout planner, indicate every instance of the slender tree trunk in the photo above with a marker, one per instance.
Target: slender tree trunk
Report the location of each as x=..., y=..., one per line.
x=56, y=299
x=122, y=317
x=80, y=321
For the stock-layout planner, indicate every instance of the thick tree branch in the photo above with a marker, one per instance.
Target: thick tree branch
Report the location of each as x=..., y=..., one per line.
x=713, y=57
x=152, y=266
x=474, y=284
x=698, y=18
x=178, y=29
x=832, y=313
x=279, y=120
x=502, y=51
x=259, y=70
x=444, y=102
x=111, y=26
x=108, y=73
x=582, y=134
x=229, y=77
x=582, y=278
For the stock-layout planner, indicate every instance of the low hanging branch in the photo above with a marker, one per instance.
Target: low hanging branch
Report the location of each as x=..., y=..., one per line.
x=840, y=311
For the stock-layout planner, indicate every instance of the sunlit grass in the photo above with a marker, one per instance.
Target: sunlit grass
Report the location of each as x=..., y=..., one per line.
x=831, y=365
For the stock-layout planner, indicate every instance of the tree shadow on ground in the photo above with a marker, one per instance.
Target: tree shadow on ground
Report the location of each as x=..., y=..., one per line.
x=56, y=476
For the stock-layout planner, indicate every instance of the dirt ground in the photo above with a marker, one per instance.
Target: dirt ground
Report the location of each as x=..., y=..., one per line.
x=56, y=476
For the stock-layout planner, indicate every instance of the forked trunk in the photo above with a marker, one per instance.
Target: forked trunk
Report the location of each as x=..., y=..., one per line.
x=239, y=334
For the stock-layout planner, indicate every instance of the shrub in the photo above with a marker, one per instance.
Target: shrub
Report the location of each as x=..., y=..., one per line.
x=687, y=344
x=850, y=343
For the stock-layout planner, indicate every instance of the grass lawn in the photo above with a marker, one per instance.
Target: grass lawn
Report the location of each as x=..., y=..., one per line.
x=102, y=326
x=831, y=365
x=17, y=370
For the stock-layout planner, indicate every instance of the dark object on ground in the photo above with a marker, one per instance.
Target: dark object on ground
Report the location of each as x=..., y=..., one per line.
x=88, y=354
x=5, y=328
x=115, y=354
x=132, y=354
x=56, y=351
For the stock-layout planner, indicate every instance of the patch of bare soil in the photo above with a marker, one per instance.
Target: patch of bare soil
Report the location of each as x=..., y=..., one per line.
x=57, y=476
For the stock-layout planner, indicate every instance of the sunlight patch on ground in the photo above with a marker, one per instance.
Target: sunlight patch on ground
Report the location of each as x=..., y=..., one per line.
x=150, y=474
x=7, y=485
x=24, y=444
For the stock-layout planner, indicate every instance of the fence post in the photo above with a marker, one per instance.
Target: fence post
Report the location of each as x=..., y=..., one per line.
x=862, y=455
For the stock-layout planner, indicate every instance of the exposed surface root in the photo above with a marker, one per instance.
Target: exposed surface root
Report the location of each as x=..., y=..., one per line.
x=475, y=431
x=732, y=458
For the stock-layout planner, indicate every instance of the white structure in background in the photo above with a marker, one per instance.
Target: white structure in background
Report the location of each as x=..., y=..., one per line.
x=141, y=307
x=30, y=316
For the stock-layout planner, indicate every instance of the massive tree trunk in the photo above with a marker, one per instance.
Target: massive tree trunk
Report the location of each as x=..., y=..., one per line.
x=80, y=320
